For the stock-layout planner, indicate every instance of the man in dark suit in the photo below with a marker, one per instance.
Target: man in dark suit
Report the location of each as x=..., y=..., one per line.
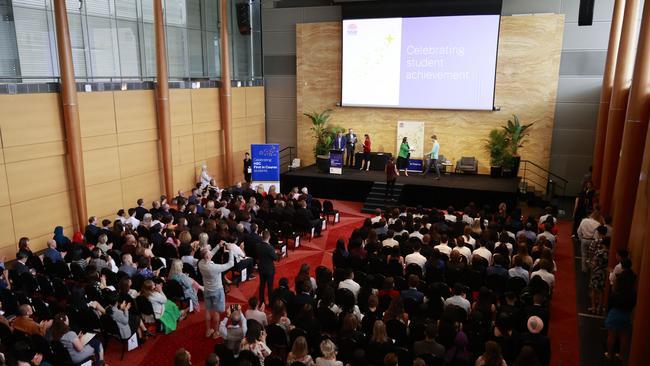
x=302, y=297
x=266, y=258
x=304, y=220
x=92, y=231
x=339, y=141
x=283, y=292
x=350, y=143
x=412, y=292
x=251, y=241
x=140, y=210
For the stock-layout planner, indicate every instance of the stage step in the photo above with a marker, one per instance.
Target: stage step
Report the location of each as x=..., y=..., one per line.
x=377, y=197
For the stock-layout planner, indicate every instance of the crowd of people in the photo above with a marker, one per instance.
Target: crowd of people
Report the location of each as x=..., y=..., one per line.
x=410, y=286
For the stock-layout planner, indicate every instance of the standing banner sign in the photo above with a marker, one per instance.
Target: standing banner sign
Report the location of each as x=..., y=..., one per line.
x=414, y=131
x=266, y=165
x=336, y=161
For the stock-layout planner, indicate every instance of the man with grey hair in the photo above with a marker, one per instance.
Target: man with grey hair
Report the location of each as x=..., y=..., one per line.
x=128, y=266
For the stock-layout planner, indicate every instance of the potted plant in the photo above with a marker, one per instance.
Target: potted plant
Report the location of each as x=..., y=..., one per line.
x=323, y=138
x=496, y=145
x=516, y=135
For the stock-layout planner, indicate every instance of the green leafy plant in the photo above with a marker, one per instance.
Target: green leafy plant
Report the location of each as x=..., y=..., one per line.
x=497, y=146
x=516, y=134
x=321, y=132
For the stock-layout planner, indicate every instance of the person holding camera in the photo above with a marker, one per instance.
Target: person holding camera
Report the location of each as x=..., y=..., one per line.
x=215, y=298
x=233, y=328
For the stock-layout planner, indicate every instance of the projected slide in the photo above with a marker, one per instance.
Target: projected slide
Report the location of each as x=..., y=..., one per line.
x=429, y=62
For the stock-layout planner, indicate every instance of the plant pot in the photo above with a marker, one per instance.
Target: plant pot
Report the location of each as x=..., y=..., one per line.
x=516, y=161
x=323, y=163
x=495, y=171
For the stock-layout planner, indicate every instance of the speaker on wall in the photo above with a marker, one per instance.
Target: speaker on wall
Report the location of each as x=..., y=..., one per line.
x=586, y=14
x=243, y=13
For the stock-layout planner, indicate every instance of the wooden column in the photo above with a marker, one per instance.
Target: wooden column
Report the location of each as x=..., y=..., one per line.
x=618, y=105
x=634, y=140
x=225, y=94
x=606, y=91
x=162, y=99
x=641, y=327
x=70, y=108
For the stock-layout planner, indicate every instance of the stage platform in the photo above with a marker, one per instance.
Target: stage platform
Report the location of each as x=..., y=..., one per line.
x=452, y=189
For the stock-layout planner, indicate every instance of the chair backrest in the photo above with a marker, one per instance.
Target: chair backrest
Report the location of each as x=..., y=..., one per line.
x=276, y=336
x=347, y=346
x=328, y=206
x=109, y=326
x=60, y=354
x=144, y=305
x=173, y=290
x=415, y=269
x=467, y=160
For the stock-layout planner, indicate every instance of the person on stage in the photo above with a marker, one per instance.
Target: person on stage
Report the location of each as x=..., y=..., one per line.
x=350, y=143
x=339, y=141
x=391, y=176
x=366, y=152
x=248, y=167
x=403, y=157
x=433, y=158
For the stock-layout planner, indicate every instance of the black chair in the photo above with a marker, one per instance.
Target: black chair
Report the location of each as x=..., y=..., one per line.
x=328, y=319
x=77, y=272
x=328, y=210
x=174, y=292
x=516, y=284
x=397, y=331
x=496, y=283
x=277, y=340
x=404, y=356
x=110, y=330
x=400, y=283
x=415, y=269
x=432, y=360
x=62, y=357
x=146, y=309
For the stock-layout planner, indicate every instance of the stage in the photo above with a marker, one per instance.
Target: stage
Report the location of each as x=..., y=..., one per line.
x=451, y=189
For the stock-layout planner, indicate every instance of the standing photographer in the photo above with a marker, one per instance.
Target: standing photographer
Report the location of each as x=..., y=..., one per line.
x=233, y=328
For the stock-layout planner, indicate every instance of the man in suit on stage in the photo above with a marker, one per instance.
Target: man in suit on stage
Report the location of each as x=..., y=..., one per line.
x=339, y=141
x=350, y=143
x=266, y=258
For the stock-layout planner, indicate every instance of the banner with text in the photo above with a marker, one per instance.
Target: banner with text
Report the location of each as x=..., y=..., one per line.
x=336, y=161
x=266, y=165
x=414, y=132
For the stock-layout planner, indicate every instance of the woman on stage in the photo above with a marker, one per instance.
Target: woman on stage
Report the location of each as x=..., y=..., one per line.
x=366, y=152
x=403, y=157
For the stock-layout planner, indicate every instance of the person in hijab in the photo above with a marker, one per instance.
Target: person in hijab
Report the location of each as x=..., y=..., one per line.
x=458, y=354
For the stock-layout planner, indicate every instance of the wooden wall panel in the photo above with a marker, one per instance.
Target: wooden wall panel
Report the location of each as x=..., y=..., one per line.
x=35, y=151
x=105, y=199
x=30, y=119
x=38, y=217
x=243, y=137
x=238, y=103
x=146, y=186
x=205, y=105
x=255, y=101
x=102, y=165
x=135, y=110
x=526, y=85
x=98, y=142
x=7, y=237
x=36, y=178
x=213, y=144
x=184, y=177
x=136, y=159
x=180, y=106
x=4, y=188
x=96, y=114
x=183, y=150
x=134, y=137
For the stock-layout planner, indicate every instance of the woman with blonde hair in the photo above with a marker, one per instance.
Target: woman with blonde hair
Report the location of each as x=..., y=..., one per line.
x=328, y=349
x=190, y=287
x=380, y=344
x=300, y=353
x=185, y=237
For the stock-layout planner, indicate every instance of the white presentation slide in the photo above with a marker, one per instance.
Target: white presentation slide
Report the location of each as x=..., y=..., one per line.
x=446, y=62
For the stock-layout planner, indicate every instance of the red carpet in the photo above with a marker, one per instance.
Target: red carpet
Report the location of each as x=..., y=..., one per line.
x=190, y=333
x=565, y=347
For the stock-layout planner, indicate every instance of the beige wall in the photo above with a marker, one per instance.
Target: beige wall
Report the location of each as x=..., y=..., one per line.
x=526, y=84
x=120, y=150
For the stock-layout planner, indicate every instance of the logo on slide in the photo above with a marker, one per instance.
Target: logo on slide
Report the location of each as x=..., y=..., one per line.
x=352, y=29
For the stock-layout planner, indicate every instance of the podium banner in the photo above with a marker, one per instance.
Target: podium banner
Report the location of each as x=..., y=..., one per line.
x=266, y=165
x=336, y=161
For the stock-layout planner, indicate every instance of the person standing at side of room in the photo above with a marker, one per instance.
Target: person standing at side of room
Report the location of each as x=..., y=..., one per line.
x=350, y=144
x=391, y=176
x=366, y=153
x=248, y=167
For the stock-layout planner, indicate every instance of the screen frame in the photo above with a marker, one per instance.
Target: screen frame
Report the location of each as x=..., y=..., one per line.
x=417, y=9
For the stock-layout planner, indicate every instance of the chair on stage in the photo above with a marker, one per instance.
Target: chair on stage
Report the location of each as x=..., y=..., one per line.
x=467, y=164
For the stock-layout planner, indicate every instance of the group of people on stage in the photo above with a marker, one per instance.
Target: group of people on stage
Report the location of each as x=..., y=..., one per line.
x=348, y=143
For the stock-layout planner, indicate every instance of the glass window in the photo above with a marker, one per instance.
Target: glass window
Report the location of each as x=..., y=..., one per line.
x=127, y=36
x=34, y=44
x=102, y=40
x=78, y=45
x=126, y=9
x=196, y=52
x=149, y=51
x=177, y=52
x=9, y=61
x=175, y=12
